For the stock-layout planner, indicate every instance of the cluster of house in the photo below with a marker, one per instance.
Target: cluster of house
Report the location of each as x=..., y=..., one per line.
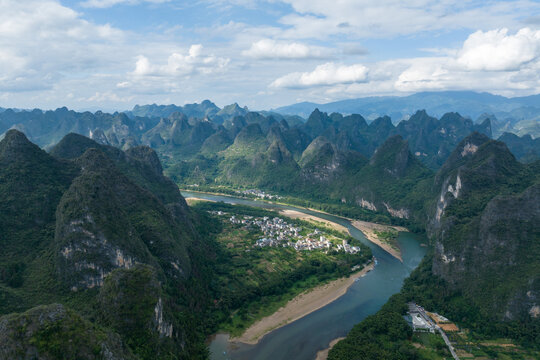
x=422, y=320
x=259, y=193
x=278, y=232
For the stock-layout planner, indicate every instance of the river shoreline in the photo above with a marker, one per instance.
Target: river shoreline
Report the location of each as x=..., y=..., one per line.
x=323, y=354
x=293, y=214
x=367, y=228
x=302, y=338
x=302, y=305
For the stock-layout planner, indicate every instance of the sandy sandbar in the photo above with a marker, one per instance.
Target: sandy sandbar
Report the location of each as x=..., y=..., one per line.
x=302, y=216
x=191, y=200
x=368, y=229
x=302, y=305
x=323, y=354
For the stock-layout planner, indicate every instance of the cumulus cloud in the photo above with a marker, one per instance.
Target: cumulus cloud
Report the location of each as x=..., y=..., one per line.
x=271, y=49
x=325, y=74
x=110, y=3
x=496, y=50
x=42, y=40
x=182, y=65
x=494, y=59
x=498, y=61
x=430, y=73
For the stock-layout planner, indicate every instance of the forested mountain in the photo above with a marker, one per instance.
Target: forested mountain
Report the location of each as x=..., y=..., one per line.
x=485, y=223
x=181, y=131
x=202, y=110
x=525, y=148
x=104, y=232
x=326, y=158
x=482, y=214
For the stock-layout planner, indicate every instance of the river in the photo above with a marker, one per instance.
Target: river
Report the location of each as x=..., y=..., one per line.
x=302, y=339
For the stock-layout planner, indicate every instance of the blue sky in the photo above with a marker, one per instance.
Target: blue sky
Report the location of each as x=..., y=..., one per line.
x=113, y=54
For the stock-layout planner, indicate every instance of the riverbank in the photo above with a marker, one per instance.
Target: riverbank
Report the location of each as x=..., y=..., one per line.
x=323, y=354
x=192, y=200
x=293, y=214
x=369, y=230
x=300, y=306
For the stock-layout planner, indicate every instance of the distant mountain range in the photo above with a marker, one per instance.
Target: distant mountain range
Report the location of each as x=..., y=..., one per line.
x=181, y=132
x=520, y=115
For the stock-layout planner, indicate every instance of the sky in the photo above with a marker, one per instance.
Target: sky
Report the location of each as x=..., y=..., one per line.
x=113, y=54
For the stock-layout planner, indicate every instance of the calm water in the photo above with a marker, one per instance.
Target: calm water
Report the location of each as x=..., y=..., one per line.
x=302, y=339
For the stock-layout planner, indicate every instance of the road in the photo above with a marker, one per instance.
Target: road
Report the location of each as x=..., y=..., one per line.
x=450, y=347
x=443, y=334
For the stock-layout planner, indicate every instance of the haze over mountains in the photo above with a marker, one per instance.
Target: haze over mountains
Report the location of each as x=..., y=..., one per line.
x=183, y=130
x=519, y=114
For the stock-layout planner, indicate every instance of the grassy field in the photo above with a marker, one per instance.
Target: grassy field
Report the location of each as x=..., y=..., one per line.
x=469, y=347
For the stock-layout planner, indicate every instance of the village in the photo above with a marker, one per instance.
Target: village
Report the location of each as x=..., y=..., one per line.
x=259, y=194
x=277, y=232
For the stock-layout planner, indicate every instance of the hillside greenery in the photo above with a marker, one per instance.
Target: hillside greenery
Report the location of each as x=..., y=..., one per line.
x=481, y=270
x=255, y=282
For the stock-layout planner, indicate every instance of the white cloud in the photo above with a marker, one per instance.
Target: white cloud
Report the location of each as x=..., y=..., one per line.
x=511, y=66
x=182, y=65
x=271, y=49
x=48, y=51
x=325, y=74
x=488, y=61
x=108, y=96
x=110, y=3
x=387, y=18
x=40, y=41
x=430, y=73
x=514, y=58
x=496, y=50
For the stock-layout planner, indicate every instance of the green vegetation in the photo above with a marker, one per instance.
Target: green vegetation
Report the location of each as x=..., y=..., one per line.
x=434, y=293
x=254, y=282
x=384, y=335
x=330, y=206
x=389, y=237
x=67, y=224
x=482, y=270
x=93, y=228
x=54, y=332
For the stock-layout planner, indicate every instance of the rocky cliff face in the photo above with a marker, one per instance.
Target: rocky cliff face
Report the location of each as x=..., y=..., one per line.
x=74, y=220
x=390, y=177
x=133, y=304
x=496, y=261
x=323, y=162
x=98, y=226
x=485, y=223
